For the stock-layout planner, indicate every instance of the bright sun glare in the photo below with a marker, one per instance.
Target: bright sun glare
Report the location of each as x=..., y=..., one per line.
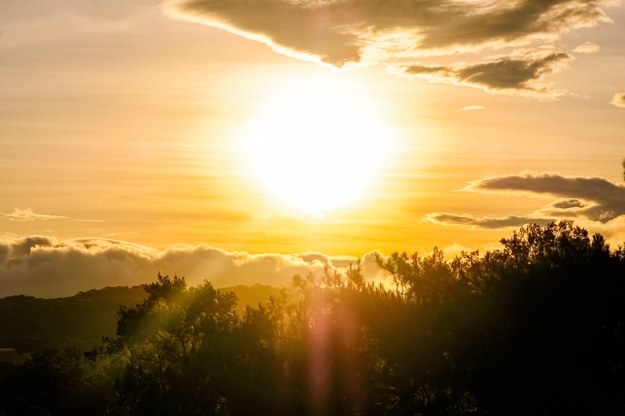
x=317, y=146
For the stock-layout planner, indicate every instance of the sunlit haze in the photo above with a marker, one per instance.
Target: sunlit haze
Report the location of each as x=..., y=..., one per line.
x=317, y=145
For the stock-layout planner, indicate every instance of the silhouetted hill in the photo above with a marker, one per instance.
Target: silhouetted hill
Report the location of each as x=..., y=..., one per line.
x=251, y=295
x=29, y=324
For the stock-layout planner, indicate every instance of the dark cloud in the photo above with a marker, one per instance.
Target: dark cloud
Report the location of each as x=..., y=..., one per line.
x=588, y=200
x=569, y=203
x=484, y=222
x=435, y=71
x=401, y=32
x=288, y=26
x=478, y=22
x=522, y=74
x=618, y=100
x=43, y=266
x=603, y=200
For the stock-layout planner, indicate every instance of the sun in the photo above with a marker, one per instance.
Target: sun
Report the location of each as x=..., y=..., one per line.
x=317, y=146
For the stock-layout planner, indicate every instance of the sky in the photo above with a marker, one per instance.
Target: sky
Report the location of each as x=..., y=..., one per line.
x=246, y=141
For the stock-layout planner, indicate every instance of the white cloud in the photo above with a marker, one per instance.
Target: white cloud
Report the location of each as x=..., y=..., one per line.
x=46, y=267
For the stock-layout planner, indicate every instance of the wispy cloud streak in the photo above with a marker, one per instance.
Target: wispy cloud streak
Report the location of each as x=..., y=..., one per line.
x=29, y=215
x=484, y=222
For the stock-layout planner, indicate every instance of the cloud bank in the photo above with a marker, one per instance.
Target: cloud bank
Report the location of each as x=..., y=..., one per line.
x=46, y=267
x=591, y=200
x=594, y=198
x=403, y=33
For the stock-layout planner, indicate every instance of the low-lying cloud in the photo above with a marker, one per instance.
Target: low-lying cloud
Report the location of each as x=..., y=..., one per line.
x=402, y=33
x=46, y=267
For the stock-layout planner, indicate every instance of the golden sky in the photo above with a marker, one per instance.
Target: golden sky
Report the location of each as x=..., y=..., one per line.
x=141, y=129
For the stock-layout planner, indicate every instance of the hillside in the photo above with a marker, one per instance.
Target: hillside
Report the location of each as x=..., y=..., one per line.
x=28, y=324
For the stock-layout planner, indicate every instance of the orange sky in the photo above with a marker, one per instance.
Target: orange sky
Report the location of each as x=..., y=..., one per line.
x=127, y=122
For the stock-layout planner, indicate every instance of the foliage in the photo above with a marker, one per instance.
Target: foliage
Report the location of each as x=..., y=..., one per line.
x=535, y=328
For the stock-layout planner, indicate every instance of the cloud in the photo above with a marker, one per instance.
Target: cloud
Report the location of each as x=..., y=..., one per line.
x=569, y=203
x=472, y=108
x=484, y=222
x=594, y=203
x=28, y=215
x=587, y=47
x=455, y=250
x=399, y=32
x=594, y=198
x=613, y=231
x=44, y=266
x=521, y=73
x=618, y=100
